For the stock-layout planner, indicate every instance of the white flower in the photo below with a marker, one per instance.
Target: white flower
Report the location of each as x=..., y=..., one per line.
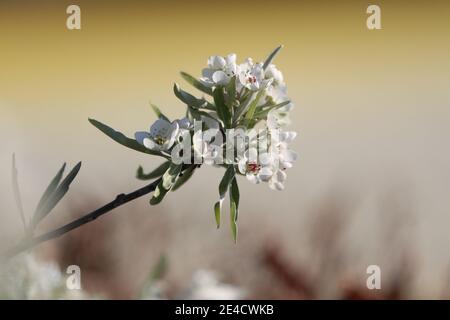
x=276, y=92
x=161, y=137
x=286, y=156
x=279, y=118
x=282, y=157
x=276, y=182
x=26, y=277
x=252, y=76
x=184, y=123
x=256, y=167
x=220, y=70
x=273, y=73
x=206, y=285
x=208, y=143
x=280, y=148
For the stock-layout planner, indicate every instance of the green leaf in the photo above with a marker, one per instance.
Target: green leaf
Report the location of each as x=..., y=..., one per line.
x=56, y=196
x=234, y=207
x=253, y=105
x=156, y=173
x=217, y=210
x=198, y=113
x=50, y=190
x=226, y=181
x=233, y=223
x=190, y=100
x=222, y=110
x=16, y=190
x=159, y=269
x=234, y=191
x=243, y=107
x=123, y=140
x=171, y=175
x=263, y=112
x=196, y=83
x=166, y=183
x=158, y=195
x=223, y=188
x=158, y=112
x=231, y=93
x=184, y=177
x=271, y=57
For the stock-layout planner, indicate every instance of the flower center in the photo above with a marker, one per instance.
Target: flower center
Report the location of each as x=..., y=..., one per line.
x=253, y=167
x=251, y=79
x=159, y=140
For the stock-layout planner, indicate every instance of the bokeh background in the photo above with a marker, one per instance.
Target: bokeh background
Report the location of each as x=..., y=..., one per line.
x=372, y=111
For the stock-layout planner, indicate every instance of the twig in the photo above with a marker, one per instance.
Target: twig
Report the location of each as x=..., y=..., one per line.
x=120, y=200
x=17, y=195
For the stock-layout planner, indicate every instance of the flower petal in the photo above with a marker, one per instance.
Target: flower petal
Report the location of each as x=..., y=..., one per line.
x=218, y=62
x=265, y=159
x=252, y=178
x=150, y=144
x=220, y=77
x=161, y=128
x=242, y=165
x=140, y=136
x=207, y=73
x=279, y=176
x=184, y=123
x=231, y=58
x=287, y=136
x=265, y=173
x=276, y=186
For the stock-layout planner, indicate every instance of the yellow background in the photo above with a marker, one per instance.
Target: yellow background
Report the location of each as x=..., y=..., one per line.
x=372, y=109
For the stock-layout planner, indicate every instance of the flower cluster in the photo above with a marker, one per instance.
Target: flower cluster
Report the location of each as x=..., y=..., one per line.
x=27, y=277
x=239, y=123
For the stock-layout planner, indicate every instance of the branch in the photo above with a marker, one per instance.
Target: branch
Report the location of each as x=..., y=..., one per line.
x=120, y=200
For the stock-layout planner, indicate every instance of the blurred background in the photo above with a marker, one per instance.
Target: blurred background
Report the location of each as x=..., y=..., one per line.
x=372, y=111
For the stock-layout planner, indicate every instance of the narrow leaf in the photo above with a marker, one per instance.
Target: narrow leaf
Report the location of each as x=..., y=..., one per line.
x=233, y=215
x=16, y=190
x=223, y=188
x=263, y=112
x=166, y=183
x=231, y=93
x=222, y=110
x=243, y=107
x=198, y=113
x=271, y=57
x=184, y=177
x=158, y=195
x=226, y=180
x=49, y=191
x=190, y=100
x=156, y=173
x=123, y=140
x=158, y=112
x=217, y=210
x=171, y=175
x=196, y=83
x=56, y=196
x=234, y=192
x=234, y=207
x=159, y=269
x=253, y=105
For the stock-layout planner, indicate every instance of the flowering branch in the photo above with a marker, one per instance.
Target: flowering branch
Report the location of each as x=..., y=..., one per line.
x=238, y=125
